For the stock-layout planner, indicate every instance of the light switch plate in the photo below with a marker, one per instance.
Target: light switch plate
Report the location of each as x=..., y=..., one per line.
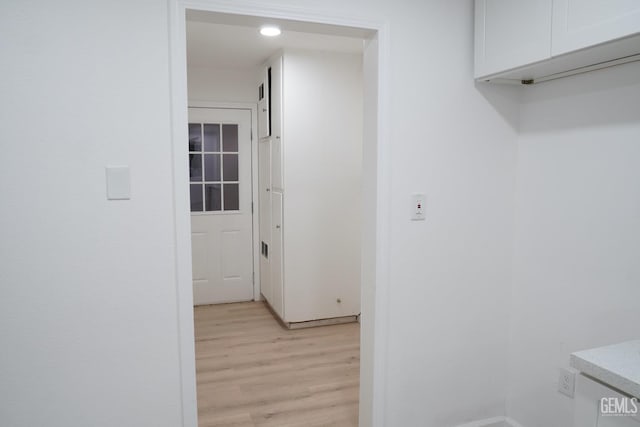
x=418, y=207
x=118, y=183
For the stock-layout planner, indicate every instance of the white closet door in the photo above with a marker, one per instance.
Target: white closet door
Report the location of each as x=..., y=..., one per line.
x=276, y=124
x=277, y=256
x=263, y=118
x=276, y=97
x=264, y=184
x=263, y=108
x=276, y=165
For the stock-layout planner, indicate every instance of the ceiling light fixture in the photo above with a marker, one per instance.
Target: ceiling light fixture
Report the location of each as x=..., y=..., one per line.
x=270, y=31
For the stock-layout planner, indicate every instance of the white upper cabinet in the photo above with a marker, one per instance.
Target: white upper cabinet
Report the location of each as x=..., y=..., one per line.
x=582, y=23
x=510, y=33
x=270, y=100
x=264, y=122
x=276, y=123
x=275, y=77
x=533, y=41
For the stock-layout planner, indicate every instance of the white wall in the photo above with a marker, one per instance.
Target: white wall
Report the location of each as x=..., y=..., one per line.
x=322, y=169
x=450, y=275
x=576, y=269
x=222, y=85
x=88, y=288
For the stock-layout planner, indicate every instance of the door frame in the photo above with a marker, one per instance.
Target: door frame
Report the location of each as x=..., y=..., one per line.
x=255, y=245
x=376, y=181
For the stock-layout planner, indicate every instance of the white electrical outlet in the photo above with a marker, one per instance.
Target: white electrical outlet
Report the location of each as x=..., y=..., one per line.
x=567, y=381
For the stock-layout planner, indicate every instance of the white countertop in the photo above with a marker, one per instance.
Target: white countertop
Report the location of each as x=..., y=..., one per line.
x=617, y=365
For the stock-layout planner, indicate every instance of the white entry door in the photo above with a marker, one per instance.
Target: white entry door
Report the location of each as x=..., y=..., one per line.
x=221, y=217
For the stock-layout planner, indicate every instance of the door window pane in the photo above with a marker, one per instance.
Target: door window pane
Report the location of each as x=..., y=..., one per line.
x=230, y=167
x=231, y=197
x=195, y=167
x=230, y=137
x=196, y=197
x=195, y=137
x=212, y=167
x=211, y=137
x=212, y=197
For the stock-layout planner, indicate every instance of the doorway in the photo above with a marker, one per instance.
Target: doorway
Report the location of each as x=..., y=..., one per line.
x=376, y=196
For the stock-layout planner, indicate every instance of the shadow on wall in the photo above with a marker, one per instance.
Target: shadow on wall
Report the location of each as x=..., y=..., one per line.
x=505, y=99
x=608, y=97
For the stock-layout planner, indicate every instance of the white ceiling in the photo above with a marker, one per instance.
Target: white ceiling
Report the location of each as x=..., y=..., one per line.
x=233, y=42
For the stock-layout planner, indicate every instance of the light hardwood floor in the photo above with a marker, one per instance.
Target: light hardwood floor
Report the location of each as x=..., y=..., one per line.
x=253, y=372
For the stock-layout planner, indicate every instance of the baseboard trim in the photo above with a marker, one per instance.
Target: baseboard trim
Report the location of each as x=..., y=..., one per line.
x=323, y=322
x=311, y=323
x=493, y=422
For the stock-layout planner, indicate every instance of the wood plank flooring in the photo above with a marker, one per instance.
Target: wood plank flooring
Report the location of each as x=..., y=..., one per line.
x=253, y=372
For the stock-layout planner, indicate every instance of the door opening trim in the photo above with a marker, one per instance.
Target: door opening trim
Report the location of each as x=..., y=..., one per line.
x=376, y=147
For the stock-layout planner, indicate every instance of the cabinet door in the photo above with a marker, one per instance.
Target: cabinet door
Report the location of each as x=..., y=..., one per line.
x=276, y=97
x=511, y=33
x=264, y=184
x=277, y=258
x=263, y=109
x=276, y=123
x=584, y=23
x=588, y=407
x=276, y=164
x=617, y=421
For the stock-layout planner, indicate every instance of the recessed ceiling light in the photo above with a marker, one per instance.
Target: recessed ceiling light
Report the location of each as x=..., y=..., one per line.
x=270, y=31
